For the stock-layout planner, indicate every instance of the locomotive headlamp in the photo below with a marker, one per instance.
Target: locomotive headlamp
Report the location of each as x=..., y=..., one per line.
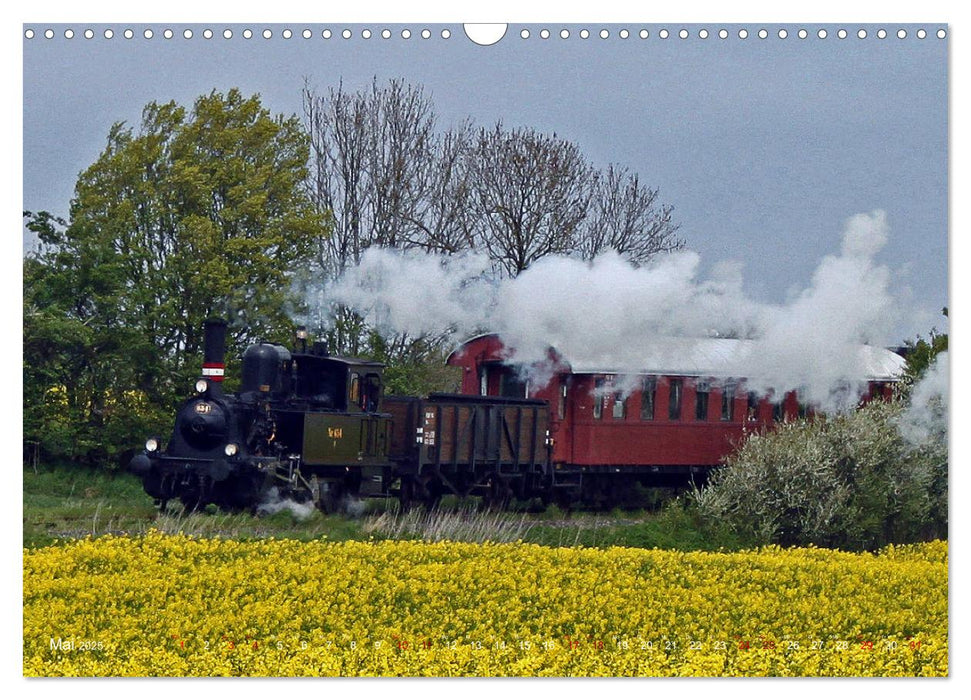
x=202, y=385
x=151, y=445
x=231, y=449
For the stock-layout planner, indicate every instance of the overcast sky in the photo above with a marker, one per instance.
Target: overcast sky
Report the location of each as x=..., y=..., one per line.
x=764, y=146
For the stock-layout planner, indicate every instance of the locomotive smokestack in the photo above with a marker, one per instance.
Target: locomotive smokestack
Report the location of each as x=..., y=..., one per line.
x=214, y=351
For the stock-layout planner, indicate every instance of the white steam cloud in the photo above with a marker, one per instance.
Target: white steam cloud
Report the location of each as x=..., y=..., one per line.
x=273, y=504
x=925, y=418
x=609, y=314
x=415, y=293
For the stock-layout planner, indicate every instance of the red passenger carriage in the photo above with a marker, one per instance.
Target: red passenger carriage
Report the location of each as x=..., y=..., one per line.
x=665, y=423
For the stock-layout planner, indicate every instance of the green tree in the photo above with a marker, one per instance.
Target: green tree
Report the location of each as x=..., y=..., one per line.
x=921, y=353
x=199, y=212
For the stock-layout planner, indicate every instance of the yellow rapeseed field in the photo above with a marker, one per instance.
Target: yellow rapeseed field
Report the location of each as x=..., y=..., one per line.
x=163, y=605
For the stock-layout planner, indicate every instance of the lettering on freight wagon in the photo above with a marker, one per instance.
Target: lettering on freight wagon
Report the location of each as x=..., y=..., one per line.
x=429, y=433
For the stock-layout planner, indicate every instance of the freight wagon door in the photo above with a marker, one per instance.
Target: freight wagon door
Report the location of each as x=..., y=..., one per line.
x=488, y=433
x=457, y=433
x=523, y=434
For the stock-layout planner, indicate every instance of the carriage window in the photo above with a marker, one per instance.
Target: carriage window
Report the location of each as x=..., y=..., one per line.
x=779, y=409
x=561, y=405
x=701, y=400
x=483, y=381
x=674, y=400
x=354, y=397
x=728, y=402
x=511, y=386
x=599, y=398
x=620, y=406
x=752, y=407
x=878, y=390
x=648, y=395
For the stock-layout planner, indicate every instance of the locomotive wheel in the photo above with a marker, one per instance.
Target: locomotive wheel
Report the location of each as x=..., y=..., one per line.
x=193, y=495
x=563, y=500
x=331, y=494
x=499, y=494
x=191, y=502
x=408, y=494
x=546, y=498
x=433, y=494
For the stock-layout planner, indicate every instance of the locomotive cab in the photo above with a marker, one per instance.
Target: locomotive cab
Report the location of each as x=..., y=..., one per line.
x=343, y=431
x=342, y=384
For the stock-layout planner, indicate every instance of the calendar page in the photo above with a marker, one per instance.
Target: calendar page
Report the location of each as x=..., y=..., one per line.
x=486, y=350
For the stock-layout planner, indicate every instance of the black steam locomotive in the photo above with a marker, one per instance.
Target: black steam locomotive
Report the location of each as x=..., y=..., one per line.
x=308, y=426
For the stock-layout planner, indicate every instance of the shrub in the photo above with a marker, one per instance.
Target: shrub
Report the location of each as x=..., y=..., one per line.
x=849, y=481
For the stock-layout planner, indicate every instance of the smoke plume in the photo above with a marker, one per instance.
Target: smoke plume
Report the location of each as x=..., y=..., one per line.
x=612, y=315
x=925, y=418
x=273, y=504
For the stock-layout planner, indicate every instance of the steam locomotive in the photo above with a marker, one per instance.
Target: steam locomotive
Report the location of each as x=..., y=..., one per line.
x=312, y=427
x=309, y=426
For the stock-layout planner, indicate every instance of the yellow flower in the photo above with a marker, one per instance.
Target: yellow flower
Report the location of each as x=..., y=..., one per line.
x=164, y=605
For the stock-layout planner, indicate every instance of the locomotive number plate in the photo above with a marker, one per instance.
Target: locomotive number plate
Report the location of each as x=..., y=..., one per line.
x=335, y=433
x=203, y=408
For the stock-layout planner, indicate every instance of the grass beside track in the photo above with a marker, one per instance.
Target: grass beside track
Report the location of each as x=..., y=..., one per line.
x=64, y=503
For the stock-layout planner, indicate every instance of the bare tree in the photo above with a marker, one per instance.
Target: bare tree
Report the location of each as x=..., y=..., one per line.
x=531, y=195
x=384, y=175
x=338, y=129
x=402, y=154
x=337, y=126
x=373, y=165
x=626, y=216
x=444, y=221
x=373, y=162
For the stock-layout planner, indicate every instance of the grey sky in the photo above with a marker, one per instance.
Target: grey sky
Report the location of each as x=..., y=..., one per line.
x=764, y=146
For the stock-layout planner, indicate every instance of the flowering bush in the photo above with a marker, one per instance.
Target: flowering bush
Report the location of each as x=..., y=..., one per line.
x=163, y=605
x=851, y=481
